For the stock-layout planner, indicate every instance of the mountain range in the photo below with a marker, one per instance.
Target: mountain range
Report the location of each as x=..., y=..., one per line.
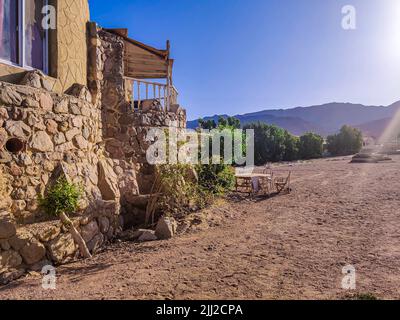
x=322, y=119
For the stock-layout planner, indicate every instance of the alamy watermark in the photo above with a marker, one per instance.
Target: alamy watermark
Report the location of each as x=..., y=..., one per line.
x=349, y=279
x=49, y=277
x=349, y=19
x=184, y=146
x=49, y=17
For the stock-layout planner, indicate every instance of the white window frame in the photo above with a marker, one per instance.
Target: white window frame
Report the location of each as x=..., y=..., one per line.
x=21, y=42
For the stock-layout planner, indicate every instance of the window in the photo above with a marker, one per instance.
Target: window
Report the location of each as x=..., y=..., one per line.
x=8, y=30
x=23, y=40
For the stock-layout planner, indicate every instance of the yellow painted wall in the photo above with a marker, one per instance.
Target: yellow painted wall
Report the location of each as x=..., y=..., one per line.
x=67, y=47
x=69, y=44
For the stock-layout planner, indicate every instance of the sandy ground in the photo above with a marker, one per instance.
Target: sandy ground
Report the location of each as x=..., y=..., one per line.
x=287, y=247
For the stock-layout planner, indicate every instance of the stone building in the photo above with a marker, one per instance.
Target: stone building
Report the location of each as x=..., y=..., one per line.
x=75, y=101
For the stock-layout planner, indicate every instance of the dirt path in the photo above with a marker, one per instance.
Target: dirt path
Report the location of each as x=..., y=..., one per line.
x=287, y=247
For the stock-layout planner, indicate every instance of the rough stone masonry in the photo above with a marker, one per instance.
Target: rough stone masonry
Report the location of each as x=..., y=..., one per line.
x=91, y=137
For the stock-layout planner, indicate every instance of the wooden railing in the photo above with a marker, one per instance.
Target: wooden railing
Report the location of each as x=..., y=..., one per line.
x=139, y=91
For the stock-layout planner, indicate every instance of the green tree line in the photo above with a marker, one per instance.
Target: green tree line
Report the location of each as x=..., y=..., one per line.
x=274, y=144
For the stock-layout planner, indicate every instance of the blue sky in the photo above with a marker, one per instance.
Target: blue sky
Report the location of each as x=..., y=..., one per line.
x=239, y=56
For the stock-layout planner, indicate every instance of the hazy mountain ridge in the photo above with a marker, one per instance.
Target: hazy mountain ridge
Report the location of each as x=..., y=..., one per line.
x=323, y=119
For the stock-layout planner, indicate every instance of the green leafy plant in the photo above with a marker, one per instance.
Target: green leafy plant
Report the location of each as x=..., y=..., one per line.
x=61, y=197
x=366, y=296
x=60, y=200
x=180, y=190
x=311, y=146
x=347, y=142
x=216, y=178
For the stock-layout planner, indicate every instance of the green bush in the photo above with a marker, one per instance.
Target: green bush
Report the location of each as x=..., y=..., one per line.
x=62, y=197
x=180, y=190
x=347, y=142
x=269, y=142
x=216, y=178
x=292, y=147
x=311, y=146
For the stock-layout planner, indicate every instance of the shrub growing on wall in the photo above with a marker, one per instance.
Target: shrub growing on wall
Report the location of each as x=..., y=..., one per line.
x=60, y=201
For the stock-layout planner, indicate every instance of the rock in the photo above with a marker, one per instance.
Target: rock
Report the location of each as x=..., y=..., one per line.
x=18, y=194
x=9, y=96
x=15, y=170
x=74, y=109
x=94, y=244
x=148, y=105
x=104, y=224
x=80, y=142
x=26, y=159
x=61, y=107
x=10, y=259
x=51, y=126
x=29, y=102
x=47, y=84
x=32, y=171
x=89, y=231
x=7, y=226
x=31, y=192
x=86, y=133
x=64, y=126
x=18, y=205
x=18, y=129
x=176, y=108
x=21, y=239
x=108, y=181
x=72, y=133
x=62, y=148
x=11, y=275
x=147, y=235
x=5, y=157
x=59, y=138
x=48, y=166
x=3, y=137
x=166, y=228
x=110, y=233
x=131, y=235
x=33, y=252
x=38, y=266
x=62, y=248
x=41, y=142
x=49, y=233
x=33, y=79
x=46, y=102
x=77, y=121
x=80, y=91
x=3, y=114
x=36, y=122
x=4, y=245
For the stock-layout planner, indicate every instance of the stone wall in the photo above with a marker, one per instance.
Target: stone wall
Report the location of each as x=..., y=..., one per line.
x=45, y=135
x=25, y=248
x=125, y=129
x=92, y=137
